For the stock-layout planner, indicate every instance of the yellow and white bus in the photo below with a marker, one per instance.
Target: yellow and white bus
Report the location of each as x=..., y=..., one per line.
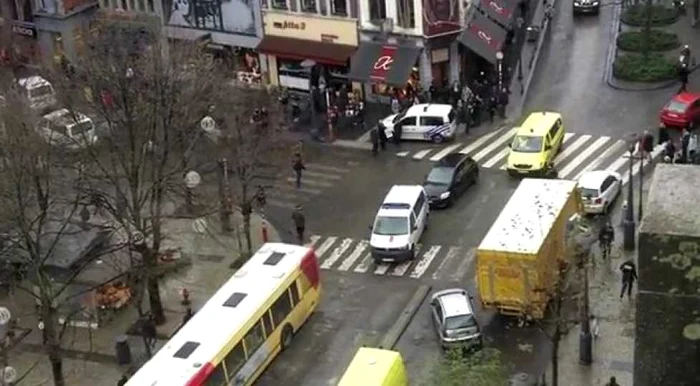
x=244, y=325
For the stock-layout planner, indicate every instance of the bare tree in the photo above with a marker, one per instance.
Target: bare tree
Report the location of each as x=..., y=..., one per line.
x=148, y=108
x=253, y=143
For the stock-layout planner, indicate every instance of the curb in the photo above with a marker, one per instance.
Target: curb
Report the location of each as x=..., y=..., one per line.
x=394, y=333
x=612, y=55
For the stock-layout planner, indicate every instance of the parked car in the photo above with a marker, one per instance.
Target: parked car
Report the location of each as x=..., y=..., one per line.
x=449, y=178
x=599, y=189
x=587, y=6
x=39, y=92
x=682, y=110
x=424, y=122
x=454, y=320
x=72, y=131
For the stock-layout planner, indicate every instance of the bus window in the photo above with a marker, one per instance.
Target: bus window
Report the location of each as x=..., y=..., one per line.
x=235, y=360
x=281, y=308
x=294, y=290
x=267, y=322
x=217, y=377
x=254, y=338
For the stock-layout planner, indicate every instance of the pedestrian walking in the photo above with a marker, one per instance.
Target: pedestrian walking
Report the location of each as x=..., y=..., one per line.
x=381, y=133
x=692, y=148
x=685, y=141
x=503, y=102
x=629, y=275
x=606, y=236
x=187, y=316
x=298, y=167
x=123, y=380
x=299, y=223
x=612, y=382
x=395, y=105
x=663, y=134
x=398, y=132
x=374, y=140
x=493, y=102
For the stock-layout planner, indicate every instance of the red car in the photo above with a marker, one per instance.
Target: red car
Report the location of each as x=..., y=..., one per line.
x=682, y=110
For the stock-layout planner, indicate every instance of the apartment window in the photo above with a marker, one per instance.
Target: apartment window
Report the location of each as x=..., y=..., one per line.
x=308, y=6
x=123, y=5
x=141, y=6
x=377, y=9
x=149, y=6
x=279, y=4
x=339, y=7
x=406, y=14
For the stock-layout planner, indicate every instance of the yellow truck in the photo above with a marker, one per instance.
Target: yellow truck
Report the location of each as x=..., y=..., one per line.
x=518, y=260
x=375, y=367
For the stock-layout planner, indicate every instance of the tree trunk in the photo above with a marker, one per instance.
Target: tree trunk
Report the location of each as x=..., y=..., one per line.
x=555, y=355
x=246, y=231
x=154, y=300
x=56, y=365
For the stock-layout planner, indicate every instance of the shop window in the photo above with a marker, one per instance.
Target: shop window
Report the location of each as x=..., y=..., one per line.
x=406, y=14
x=339, y=7
x=292, y=75
x=279, y=4
x=377, y=9
x=309, y=6
x=123, y=5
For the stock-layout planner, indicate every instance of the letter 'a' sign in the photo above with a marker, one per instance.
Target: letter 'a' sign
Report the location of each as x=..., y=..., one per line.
x=383, y=63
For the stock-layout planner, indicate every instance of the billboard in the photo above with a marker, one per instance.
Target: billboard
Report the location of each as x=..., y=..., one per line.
x=232, y=16
x=440, y=17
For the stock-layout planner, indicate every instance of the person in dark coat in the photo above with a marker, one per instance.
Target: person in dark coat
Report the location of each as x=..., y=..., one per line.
x=685, y=140
x=299, y=223
x=374, y=140
x=398, y=131
x=492, y=106
x=629, y=276
x=503, y=102
x=381, y=133
x=298, y=167
x=663, y=134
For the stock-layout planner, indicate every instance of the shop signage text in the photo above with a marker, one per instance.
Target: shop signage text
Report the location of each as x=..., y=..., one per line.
x=318, y=29
x=23, y=29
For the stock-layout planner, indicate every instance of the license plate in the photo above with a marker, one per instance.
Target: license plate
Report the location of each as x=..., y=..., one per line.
x=522, y=171
x=388, y=260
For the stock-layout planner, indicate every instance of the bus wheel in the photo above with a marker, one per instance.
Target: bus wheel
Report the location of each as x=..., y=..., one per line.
x=287, y=334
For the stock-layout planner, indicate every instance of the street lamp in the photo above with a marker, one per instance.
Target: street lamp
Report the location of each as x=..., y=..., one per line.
x=628, y=225
x=192, y=180
x=499, y=65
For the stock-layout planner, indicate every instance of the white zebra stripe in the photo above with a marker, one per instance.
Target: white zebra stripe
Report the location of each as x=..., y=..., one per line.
x=401, y=269
x=421, y=154
x=573, y=164
x=497, y=158
x=444, y=152
x=599, y=160
x=337, y=253
x=364, y=264
x=382, y=269
x=313, y=240
x=569, y=150
x=479, y=141
x=424, y=262
x=320, y=251
x=495, y=144
x=356, y=253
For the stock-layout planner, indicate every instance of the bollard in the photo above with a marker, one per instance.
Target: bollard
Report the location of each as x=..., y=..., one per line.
x=264, y=232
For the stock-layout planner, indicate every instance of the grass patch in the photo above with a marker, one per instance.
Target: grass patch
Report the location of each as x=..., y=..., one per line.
x=655, y=40
x=638, y=14
x=644, y=68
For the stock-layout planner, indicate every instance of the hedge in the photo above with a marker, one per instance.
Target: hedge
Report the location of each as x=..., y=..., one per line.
x=657, y=40
x=654, y=67
x=636, y=15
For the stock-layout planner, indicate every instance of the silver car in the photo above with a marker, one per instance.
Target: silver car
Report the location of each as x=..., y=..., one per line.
x=454, y=319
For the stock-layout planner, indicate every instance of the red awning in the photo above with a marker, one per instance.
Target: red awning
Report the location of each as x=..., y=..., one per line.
x=321, y=52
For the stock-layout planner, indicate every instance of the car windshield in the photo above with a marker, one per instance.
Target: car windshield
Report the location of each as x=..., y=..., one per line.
x=80, y=128
x=440, y=176
x=588, y=193
x=675, y=106
x=460, y=321
x=527, y=144
x=391, y=226
x=40, y=91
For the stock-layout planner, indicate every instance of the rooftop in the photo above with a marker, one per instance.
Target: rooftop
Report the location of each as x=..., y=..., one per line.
x=527, y=217
x=429, y=107
x=669, y=208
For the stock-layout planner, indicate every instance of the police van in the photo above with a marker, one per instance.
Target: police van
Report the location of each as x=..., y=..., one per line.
x=423, y=122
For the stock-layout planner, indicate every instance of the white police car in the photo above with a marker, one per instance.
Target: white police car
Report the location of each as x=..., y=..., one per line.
x=424, y=122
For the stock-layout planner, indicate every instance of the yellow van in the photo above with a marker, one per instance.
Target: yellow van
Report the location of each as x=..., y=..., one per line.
x=375, y=367
x=535, y=144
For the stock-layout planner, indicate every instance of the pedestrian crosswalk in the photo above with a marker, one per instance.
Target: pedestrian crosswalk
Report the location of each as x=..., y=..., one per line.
x=579, y=153
x=451, y=263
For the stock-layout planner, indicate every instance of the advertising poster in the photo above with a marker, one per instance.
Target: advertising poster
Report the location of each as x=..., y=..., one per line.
x=232, y=16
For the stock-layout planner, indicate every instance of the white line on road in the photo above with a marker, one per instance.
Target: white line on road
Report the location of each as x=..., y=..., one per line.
x=320, y=251
x=444, y=152
x=451, y=253
x=569, y=150
x=574, y=163
x=615, y=166
x=495, y=159
x=401, y=269
x=322, y=175
x=292, y=188
x=421, y=154
x=356, y=253
x=402, y=154
x=425, y=261
x=313, y=240
x=495, y=144
x=479, y=142
x=337, y=253
x=334, y=169
x=364, y=264
x=599, y=160
x=464, y=267
x=306, y=181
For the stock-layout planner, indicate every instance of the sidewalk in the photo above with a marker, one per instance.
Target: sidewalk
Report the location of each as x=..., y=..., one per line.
x=89, y=358
x=613, y=350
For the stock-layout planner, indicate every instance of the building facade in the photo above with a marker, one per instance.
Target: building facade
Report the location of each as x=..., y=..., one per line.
x=308, y=43
x=19, y=39
x=62, y=26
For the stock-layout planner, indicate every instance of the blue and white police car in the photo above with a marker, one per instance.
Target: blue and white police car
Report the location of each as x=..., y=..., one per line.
x=423, y=122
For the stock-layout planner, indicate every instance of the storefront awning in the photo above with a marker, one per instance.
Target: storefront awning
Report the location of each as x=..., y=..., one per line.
x=500, y=11
x=377, y=62
x=321, y=52
x=484, y=37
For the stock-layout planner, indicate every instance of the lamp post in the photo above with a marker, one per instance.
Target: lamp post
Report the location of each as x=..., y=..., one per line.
x=192, y=180
x=499, y=67
x=641, y=181
x=628, y=225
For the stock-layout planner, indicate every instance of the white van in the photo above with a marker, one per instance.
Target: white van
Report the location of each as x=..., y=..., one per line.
x=39, y=92
x=400, y=223
x=424, y=122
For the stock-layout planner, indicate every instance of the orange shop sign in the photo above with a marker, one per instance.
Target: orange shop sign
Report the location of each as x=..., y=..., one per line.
x=318, y=29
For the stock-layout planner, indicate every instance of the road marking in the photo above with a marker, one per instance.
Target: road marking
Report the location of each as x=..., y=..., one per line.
x=569, y=150
x=567, y=137
x=401, y=269
x=306, y=181
x=451, y=253
x=292, y=188
x=465, y=266
x=337, y=252
x=501, y=154
x=573, y=164
x=280, y=204
x=320, y=251
x=479, y=141
x=356, y=253
x=421, y=154
x=425, y=261
x=402, y=153
x=444, y=152
x=313, y=240
x=364, y=264
x=323, y=175
x=334, y=169
x=495, y=144
x=618, y=163
x=599, y=160
x=635, y=171
x=382, y=268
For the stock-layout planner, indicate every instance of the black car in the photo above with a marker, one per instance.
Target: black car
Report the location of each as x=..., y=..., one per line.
x=587, y=6
x=449, y=178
